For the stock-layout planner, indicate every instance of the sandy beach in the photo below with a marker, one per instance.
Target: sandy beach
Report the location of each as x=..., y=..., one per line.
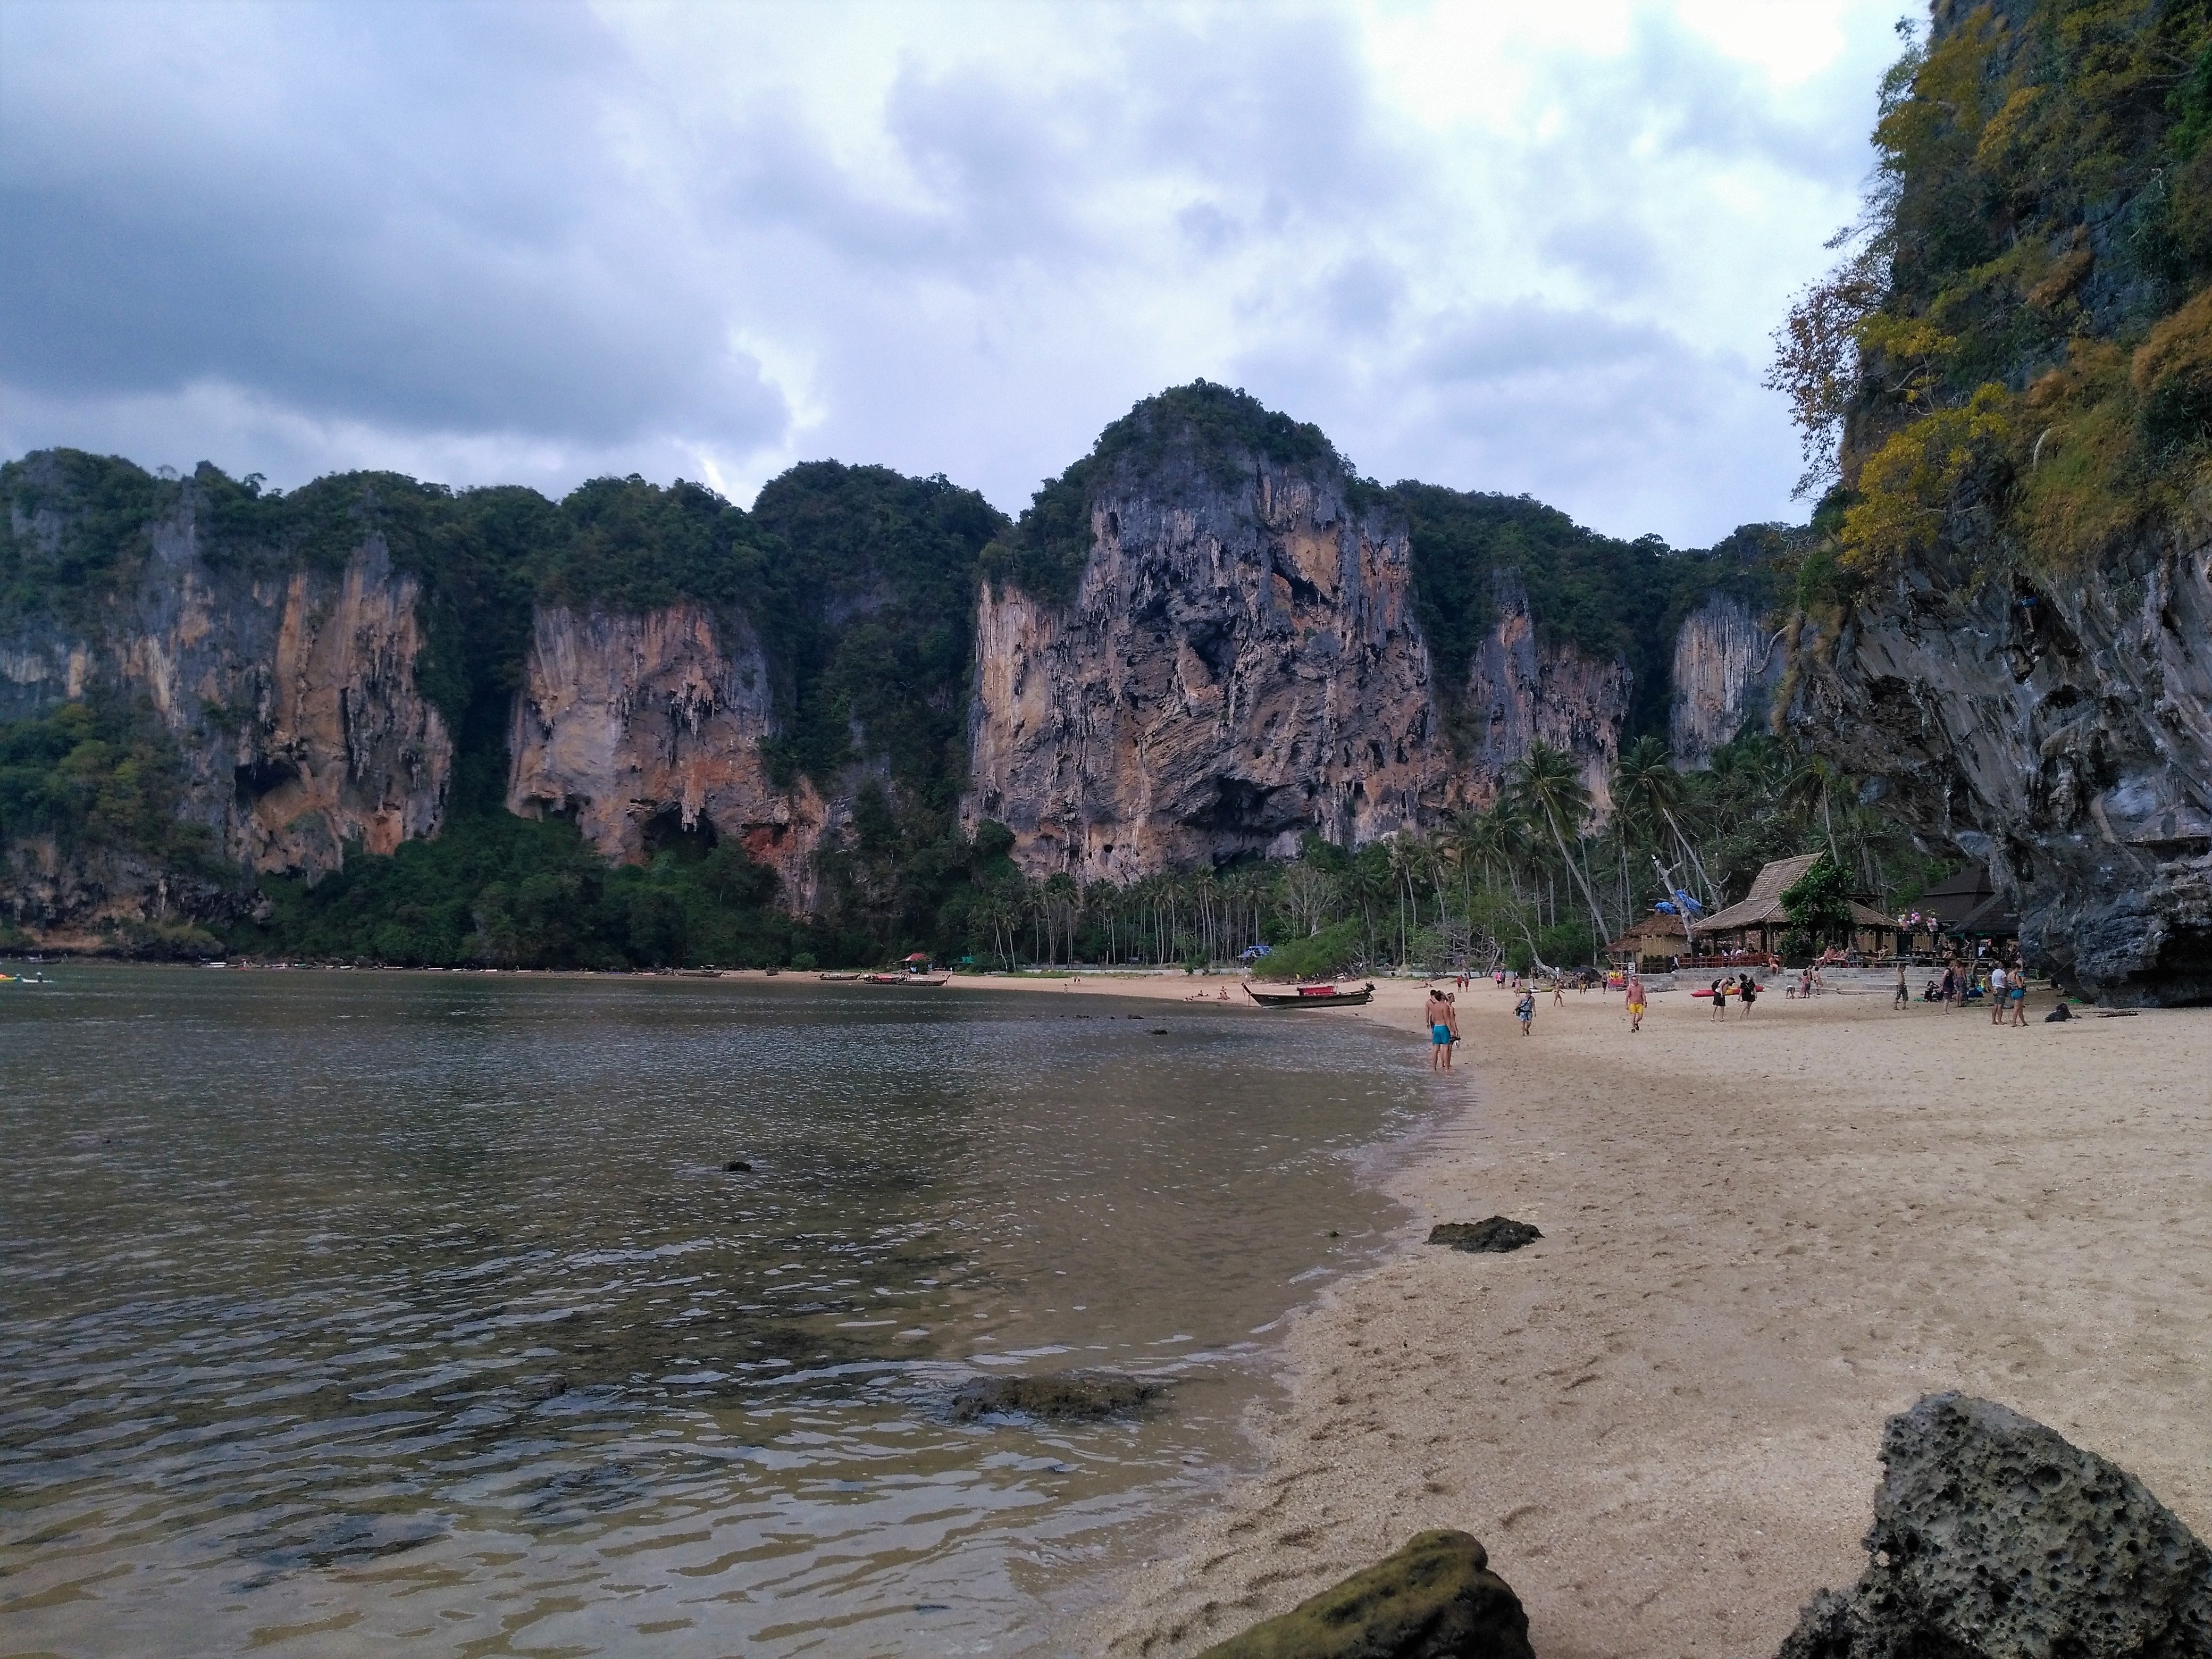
x=1761, y=1240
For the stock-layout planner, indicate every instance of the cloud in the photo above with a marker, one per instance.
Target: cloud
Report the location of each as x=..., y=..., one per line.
x=537, y=241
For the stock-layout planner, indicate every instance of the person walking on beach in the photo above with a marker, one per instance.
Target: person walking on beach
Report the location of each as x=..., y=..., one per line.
x=1635, y=1002
x=1720, y=999
x=1525, y=1011
x=2000, y=993
x=1904, y=997
x=1437, y=1013
x=1451, y=1024
x=1748, y=994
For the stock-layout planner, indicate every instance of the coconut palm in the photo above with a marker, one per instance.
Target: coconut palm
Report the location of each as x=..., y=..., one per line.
x=1646, y=787
x=1544, y=787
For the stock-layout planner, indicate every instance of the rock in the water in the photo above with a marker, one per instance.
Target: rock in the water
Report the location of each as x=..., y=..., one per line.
x=1995, y=1538
x=1435, y=1599
x=1065, y=1396
x=737, y=1166
x=1495, y=1232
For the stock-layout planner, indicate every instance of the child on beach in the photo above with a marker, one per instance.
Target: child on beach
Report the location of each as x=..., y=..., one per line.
x=1525, y=1011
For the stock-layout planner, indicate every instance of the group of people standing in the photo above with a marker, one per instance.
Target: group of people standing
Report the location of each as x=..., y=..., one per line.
x=2004, y=986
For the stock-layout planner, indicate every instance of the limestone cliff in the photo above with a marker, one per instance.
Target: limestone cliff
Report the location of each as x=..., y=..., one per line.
x=292, y=696
x=1727, y=663
x=644, y=728
x=2064, y=733
x=1237, y=666
x=1521, y=691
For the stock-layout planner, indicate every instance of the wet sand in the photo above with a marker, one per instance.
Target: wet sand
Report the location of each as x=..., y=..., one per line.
x=1761, y=1240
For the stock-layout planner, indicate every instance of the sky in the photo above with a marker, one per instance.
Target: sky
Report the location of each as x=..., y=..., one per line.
x=1496, y=246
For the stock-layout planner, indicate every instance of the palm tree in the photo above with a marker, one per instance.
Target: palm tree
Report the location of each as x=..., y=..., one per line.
x=1544, y=785
x=1646, y=786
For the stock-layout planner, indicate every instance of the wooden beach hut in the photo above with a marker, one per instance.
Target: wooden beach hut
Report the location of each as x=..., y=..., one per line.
x=1758, y=924
x=1967, y=905
x=1654, y=938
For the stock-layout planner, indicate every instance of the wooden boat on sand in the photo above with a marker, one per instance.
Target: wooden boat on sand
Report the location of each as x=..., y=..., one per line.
x=1313, y=996
x=924, y=980
x=836, y=979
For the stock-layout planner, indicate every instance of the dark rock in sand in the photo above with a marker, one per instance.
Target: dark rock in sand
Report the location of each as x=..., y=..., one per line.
x=1062, y=1396
x=1995, y=1538
x=737, y=1166
x=1495, y=1232
x=1435, y=1599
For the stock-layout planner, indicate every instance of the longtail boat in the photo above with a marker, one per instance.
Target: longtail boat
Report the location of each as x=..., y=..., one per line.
x=1313, y=996
x=905, y=979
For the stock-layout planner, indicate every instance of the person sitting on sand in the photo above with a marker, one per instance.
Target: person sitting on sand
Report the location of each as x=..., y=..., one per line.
x=1525, y=1011
x=1635, y=1003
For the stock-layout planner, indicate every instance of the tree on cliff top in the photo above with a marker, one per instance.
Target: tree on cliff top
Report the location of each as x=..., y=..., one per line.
x=2017, y=356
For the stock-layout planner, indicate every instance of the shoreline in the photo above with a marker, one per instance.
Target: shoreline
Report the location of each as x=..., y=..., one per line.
x=1761, y=1240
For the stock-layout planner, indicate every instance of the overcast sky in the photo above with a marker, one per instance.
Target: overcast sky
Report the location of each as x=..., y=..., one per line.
x=1499, y=246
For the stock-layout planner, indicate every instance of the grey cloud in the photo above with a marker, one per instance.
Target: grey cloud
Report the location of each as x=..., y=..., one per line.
x=485, y=241
x=406, y=247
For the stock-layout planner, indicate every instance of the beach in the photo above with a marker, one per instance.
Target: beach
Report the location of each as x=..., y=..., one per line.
x=1761, y=1239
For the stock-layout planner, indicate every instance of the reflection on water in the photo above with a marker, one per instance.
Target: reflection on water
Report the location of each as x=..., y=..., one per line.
x=345, y=1311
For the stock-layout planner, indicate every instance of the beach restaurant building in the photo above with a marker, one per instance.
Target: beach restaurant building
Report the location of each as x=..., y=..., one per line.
x=1760, y=923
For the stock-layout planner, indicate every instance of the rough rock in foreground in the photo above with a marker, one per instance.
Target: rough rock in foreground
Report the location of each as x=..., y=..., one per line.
x=1435, y=1599
x=1995, y=1538
x=1493, y=1233
x=1064, y=1396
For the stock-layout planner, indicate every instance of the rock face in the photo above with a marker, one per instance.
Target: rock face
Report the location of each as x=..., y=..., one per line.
x=1519, y=693
x=1435, y=1599
x=1726, y=664
x=644, y=728
x=1238, y=667
x=2064, y=733
x=1994, y=1538
x=293, y=698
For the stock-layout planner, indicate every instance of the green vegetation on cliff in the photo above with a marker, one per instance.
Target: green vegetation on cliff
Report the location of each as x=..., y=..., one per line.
x=2016, y=361
x=1604, y=597
x=98, y=772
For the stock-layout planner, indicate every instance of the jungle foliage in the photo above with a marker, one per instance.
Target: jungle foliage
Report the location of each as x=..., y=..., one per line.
x=98, y=772
x=2015, y=357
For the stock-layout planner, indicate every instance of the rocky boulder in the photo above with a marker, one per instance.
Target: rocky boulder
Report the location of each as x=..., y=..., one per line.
x=1435, y=1599
x=1059, y=1397
x=1494, y=1233
x=1995, y=1538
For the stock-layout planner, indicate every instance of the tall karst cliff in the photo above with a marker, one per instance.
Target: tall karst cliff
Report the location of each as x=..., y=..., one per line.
x=290, y=689
x=2009, y=625
x=1206, y=641
x=1236, y=665
x=1209, y=639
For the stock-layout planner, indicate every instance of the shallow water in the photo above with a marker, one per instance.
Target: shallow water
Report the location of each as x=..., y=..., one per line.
x=347, y=1311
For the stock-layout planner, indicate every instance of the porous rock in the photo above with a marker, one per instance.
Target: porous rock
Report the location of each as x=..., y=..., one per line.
x=1435, y=1599
x=1995, y=1538
x=1062, y=1396
x=1493, y=1233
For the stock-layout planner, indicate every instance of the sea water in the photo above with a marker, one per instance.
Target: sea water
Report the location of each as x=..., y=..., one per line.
x=351, y=1312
